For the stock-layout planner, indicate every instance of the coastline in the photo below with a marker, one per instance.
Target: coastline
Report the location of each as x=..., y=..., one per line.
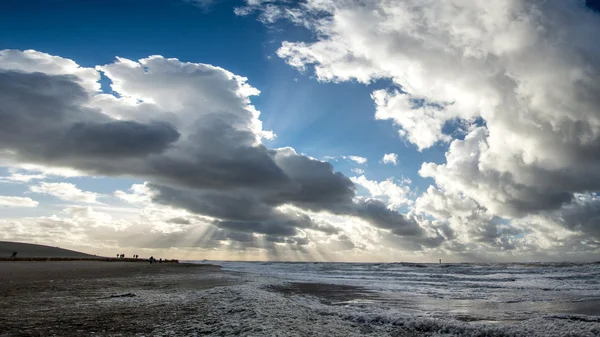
x=98, y=259
x=95, y=298
x=85, y=297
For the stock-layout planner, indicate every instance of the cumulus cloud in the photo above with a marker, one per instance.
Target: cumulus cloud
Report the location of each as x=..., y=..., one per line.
x=395, y=194
x=517, y=80
x=188, y=129
x=390, y=158
x=8, y=201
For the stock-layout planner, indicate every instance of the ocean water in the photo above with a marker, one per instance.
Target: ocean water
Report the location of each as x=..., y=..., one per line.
x=534, y=299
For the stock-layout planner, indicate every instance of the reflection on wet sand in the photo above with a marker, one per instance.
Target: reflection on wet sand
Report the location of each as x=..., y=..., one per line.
x=459, y=309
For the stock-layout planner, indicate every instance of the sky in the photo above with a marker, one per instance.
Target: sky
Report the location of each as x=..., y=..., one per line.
x=314, y=130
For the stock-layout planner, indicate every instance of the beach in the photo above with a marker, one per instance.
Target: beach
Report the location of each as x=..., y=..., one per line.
x=78, y=298
x=94, y=298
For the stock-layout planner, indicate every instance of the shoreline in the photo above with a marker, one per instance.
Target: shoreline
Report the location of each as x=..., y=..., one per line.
x=85, y=297
x=98, y=259
x=91, y=298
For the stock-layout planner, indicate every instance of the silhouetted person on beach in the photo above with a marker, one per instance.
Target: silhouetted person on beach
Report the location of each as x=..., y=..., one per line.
x=160, y=260
x=151, y=259
x=14, y=254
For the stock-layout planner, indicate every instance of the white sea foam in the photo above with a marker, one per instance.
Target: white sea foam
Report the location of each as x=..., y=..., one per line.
x=432, y=300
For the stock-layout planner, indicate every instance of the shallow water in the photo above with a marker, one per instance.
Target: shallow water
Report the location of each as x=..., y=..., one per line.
x=487, y=293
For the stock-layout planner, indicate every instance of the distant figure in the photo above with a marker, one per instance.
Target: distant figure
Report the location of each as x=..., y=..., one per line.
x=135, y=256
x=440, y=261
x=118, y=255
x=151, y=259
x=14, y=254
x=122, y=256
x=160, y=260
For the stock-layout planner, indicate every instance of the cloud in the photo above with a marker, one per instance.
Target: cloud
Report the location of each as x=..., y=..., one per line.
x=358, y=170
x=8, y=201
x=583, y=215
x=188, y=129
x=390, y=158
x=65, y=129
x=395, y=194
x=32, y=61
x=313, y=185
x=516, y=79
x=356, y=159
x=342, y=243
x=140, y=194
x=269, y=11
x=65, y=191
x=19, y=177
x=421, y=123
x=377, y=213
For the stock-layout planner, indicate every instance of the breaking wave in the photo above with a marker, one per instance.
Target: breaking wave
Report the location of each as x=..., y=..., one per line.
x=411, y=300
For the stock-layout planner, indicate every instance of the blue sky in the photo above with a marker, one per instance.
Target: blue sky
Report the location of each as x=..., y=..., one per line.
x=478, y=115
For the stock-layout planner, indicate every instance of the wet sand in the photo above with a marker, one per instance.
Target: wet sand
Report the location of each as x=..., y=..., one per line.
x=84, y=298
x=461, y=310
x=330, y=294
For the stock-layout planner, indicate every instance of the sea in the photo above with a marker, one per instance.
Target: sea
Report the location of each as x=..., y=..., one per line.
x=508, y=299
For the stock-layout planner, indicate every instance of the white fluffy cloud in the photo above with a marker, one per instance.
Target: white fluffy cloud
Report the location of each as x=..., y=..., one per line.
x=65, y=191
x=139, y=194
x=510, y=86
x=8, y=201
x=394, y=194
x=390, y=158
x=519, y=78
x=356, y=159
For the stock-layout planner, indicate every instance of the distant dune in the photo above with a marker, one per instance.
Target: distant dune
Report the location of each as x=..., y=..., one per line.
x=29, y=250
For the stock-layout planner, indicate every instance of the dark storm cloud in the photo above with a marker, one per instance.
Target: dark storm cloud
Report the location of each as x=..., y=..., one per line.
x=179, y=221
x=117, y=138
x=254, y=210
x=314, y=183
x=270, y=227
x=229, y=205
x=43, y=117
x=377, y=213
x=582, y=215
x=310, y=184
x=218, y=155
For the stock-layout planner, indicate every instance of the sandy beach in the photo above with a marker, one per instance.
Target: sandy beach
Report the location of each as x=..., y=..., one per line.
x=83, y=298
